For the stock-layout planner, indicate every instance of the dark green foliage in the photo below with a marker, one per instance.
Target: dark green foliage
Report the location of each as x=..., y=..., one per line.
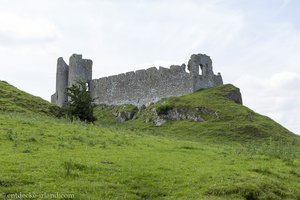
x=80, y=104
x=163, y=109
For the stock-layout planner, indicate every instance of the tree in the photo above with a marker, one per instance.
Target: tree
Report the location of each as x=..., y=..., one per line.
x=80, y=104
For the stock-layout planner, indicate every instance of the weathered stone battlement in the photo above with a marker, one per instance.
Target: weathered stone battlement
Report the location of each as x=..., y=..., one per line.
x=140, y=87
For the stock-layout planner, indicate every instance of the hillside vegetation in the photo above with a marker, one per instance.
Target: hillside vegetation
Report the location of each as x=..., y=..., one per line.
x=15, y=100
x=222, y=118
x=233, y=153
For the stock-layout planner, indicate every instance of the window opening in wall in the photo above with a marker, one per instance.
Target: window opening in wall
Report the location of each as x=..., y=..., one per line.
x=201, y=66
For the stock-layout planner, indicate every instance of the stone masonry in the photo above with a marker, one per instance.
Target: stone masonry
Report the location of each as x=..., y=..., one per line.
x=140, y=87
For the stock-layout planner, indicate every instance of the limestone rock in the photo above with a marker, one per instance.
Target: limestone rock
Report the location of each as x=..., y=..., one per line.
x=235, y=96
x=122, y=117
x=193, y=114
x=125, y=115
x=159, y=121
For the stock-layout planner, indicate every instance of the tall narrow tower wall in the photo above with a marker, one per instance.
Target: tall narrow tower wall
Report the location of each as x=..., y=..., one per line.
x=61, y=81
x=60, y=97
x=79, y=69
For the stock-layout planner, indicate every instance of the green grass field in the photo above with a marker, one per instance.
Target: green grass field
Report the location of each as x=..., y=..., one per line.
x=237, y=154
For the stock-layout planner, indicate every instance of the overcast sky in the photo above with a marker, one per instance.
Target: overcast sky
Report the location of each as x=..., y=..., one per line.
x=254, y=44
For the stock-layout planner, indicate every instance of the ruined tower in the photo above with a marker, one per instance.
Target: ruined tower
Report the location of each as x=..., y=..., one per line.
x=78, y=70
x=203, y=61
x=207, y=78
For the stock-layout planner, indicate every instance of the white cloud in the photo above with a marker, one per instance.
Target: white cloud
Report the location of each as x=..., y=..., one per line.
x=16, y=30
x=284, y=3
x=154, y=32
x=277, y=96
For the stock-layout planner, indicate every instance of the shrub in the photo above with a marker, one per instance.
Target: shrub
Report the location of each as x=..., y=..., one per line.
x=80, y=104
x=162, y=109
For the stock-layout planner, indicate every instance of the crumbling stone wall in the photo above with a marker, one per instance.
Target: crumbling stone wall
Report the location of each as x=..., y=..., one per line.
x=142, y=86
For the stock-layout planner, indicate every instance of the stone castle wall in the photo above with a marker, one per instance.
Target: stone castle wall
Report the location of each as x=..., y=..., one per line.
x=142, y=86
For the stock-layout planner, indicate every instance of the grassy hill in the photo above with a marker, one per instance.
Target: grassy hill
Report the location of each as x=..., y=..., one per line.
x=14, y=100
x=223, y=118
x=234, y=153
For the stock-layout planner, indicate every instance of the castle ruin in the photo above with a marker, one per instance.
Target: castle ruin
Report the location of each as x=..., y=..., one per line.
x=138, y=88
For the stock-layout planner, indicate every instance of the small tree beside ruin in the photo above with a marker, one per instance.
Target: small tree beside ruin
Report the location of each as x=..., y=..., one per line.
x=80, y=104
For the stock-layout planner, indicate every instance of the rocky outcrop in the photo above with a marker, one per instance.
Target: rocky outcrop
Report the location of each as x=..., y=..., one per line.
x=124, y=116
x=195, y=114
x=125, y=113
x=159, y=121
x=192, y=114
x=235, y=96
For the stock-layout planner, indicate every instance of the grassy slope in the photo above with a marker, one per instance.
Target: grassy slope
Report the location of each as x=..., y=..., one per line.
x=233, y=122
x=179, y=160
x=15, y=100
